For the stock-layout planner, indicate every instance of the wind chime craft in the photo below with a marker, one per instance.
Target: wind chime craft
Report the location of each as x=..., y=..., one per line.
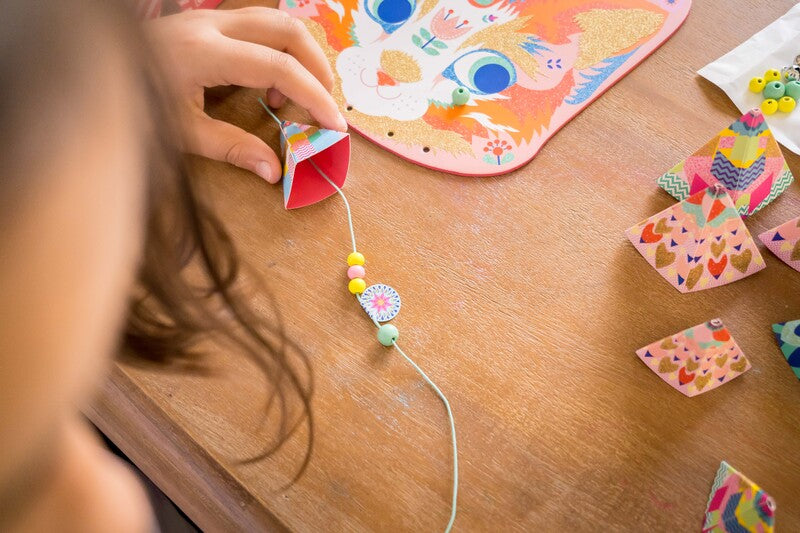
x=315, y=167
x=737, y=505
x=477, y=87
x=744, y=158
x=698, y=243
x=784, y=241
x=696, y=360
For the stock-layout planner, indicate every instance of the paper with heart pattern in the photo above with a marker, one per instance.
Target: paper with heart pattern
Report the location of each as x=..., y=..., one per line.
x=744, y=158
x=696, y=360
x=738, y=505
x=788, y=337
x=698, y=243
x=784, y=241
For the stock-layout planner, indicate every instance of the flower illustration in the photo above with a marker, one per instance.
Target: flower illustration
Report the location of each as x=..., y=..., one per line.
x=498, y=152
x=381, y=302
x=445, y=25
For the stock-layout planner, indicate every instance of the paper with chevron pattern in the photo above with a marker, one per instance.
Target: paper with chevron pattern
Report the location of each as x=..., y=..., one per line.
x=788, y=337
x=784, y=241
x=744, y=158
x=697, y=359
x=737, y=505
x=698, y=243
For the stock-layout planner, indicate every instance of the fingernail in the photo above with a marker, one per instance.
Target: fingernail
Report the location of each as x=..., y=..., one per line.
x=263, y=170
x=342, y=123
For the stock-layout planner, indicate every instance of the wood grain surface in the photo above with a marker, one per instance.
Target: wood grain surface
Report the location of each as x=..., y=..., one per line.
x=523, y=300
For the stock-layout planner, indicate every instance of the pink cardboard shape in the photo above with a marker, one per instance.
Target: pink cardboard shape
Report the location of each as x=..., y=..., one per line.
x=696, y=360
x=528, y=68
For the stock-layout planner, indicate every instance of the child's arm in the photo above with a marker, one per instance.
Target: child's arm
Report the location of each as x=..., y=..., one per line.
x=253, y=47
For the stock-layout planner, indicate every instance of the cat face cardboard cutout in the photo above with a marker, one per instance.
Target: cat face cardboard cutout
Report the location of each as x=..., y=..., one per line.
x=527, y=66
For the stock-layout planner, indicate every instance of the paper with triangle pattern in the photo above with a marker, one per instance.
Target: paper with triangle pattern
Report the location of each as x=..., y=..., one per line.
x=696, y=360
x=744, y=158
x=737, y=505
x=784, y=241
x=788, y=336
x=328, y=149
x=698, y=243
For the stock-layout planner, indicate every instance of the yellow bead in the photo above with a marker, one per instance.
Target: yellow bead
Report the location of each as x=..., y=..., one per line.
x=786, y=104
x=769, y=106
x=357, y=286
x=355, y=259
x=772, y=74
x=757, y=84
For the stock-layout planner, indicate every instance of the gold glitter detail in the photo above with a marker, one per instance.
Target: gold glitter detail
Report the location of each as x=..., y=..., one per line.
x=411, y=133
x=427, y=7
x=400, y=66
x=607, y=32
x=507, y=39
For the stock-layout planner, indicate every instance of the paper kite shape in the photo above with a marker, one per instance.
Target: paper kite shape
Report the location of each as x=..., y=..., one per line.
x=784, y=241
x=744, y=158
x=738, y=505
x=329, y=150
x=698, y=243
x=522, y=69
x=788, y=336
x=697, y=359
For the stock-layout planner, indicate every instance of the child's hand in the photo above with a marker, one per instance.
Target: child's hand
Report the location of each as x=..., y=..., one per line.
x=253, y=47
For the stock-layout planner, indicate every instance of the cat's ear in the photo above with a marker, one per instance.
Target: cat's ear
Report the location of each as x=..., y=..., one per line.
x=610, y=32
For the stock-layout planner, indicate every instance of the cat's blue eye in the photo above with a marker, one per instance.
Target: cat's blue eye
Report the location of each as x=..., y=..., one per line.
x=482, y=72
x=390, y=14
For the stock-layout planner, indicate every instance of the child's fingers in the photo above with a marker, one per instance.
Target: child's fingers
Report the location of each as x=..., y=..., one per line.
x=252, y=65
x=272, y=28
x=219, y=140
x=275, y=99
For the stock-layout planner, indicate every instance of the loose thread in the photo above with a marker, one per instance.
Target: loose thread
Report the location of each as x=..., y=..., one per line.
x=410, y=361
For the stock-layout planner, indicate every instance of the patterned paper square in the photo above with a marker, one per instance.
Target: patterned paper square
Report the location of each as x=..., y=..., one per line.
x=784, y=241
x=737, y=505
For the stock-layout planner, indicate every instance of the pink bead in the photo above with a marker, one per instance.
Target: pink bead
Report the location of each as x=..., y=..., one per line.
x=356, y=271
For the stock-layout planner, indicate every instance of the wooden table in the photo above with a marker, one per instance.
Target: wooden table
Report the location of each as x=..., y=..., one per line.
x=523, y=299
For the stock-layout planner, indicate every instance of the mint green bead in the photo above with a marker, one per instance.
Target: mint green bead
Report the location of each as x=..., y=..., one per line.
x=387, y=334
x=793, y=89
x=460, y=96
x=774, y=90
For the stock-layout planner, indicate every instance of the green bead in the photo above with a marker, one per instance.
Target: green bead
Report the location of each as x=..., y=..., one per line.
x=793, y=89
x=387, y=334
x=774, y=90
x=460, y=96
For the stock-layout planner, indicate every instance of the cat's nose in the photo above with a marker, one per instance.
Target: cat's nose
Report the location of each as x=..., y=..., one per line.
x=385, y=79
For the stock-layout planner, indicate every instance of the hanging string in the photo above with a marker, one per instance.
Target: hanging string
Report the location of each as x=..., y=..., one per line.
x=429, y=381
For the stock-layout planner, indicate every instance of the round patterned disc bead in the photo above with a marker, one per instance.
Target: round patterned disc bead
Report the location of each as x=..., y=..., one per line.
x=757, y=84
x=460, y=96
x=769, y=107
x=387, y=334
x=356, y=286
x=772, y=74
x=356, y=271
x=355, y=258
x=793, y=89
x=774, y=90
x=786, y=104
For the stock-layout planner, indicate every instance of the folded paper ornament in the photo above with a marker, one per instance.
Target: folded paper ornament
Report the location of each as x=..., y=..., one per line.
x=788, y=336
x=744, y=158
x=303, y=145
x=738, y=505
x=697, y=359
x=784, y=241
x=698, y=243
